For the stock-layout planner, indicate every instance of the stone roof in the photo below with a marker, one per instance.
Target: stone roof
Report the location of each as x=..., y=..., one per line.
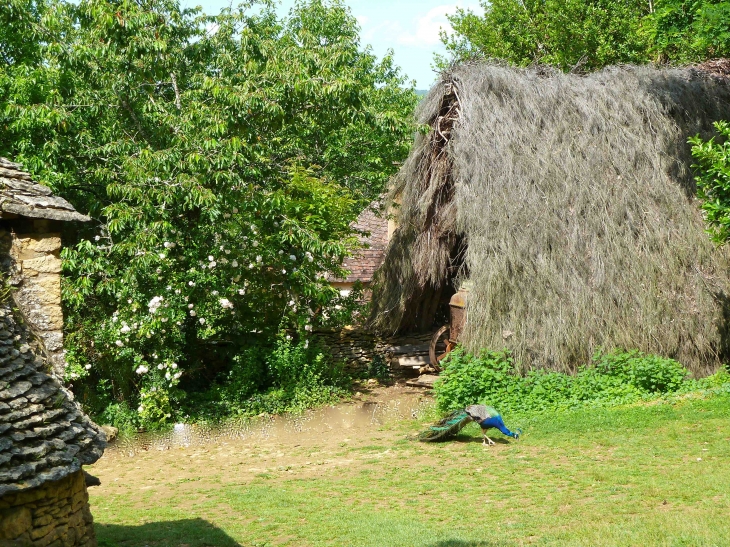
x=363, y=264
x=44, y=434
x=21, y=196
x=719, y=68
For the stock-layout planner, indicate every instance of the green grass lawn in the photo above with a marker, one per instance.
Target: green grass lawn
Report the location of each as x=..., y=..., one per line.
x=655, y=475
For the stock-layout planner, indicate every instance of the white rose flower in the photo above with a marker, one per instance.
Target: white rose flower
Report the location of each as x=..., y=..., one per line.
x=191, y=283
x=234, y=263
x=292, y=257
x=193, y=313
x=119, y=343
x=88, y=367
x=97, y=238
x=210, y=258
x=202, y=321
x=212, y=265
x=191, y=306
x=162, y=255
x=174, y=365
x=234, y=210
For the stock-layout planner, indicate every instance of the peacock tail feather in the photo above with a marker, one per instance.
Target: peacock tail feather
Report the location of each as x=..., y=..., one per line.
x=450, y=425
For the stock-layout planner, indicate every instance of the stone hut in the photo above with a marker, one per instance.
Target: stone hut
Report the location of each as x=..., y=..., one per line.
x=30, y=244
x=45, y=437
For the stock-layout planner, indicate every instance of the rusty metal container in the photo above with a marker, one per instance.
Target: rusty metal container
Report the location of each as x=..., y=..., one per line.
x=457, y=306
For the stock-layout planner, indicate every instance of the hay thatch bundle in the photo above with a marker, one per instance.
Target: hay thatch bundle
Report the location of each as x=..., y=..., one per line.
x=568, y=201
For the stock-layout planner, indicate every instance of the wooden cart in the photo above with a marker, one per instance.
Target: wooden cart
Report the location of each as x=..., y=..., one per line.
x=446, y=338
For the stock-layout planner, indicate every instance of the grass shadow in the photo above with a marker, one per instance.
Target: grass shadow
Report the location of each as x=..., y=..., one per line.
x=189, y=532
x=467, y=543
x=480, y=440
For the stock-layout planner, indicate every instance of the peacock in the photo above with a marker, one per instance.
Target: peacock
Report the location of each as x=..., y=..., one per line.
x=486, y=416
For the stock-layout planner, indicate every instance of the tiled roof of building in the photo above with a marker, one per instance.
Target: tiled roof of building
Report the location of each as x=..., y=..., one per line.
x=374, y=226
x=20, y=195
x=44, y=434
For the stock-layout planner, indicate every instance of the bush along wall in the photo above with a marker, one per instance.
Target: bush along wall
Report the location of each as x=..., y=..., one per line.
x=611, y=378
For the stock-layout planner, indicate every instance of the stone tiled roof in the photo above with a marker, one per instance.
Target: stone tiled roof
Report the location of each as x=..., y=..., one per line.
x=716, y=67
x=366, y=261
x=21, y=196
x=44, y=434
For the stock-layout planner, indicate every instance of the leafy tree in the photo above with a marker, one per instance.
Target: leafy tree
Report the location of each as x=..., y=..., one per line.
x=569, y=34
x=585, y=35
x=713, y=181
x=690, y=30
x=222, y=159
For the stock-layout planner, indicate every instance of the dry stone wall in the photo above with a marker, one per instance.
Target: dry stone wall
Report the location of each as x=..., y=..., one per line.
x=357, y=347
x=55, y=514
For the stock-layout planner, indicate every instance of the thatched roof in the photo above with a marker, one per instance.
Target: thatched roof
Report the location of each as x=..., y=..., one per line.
x=19, y=195
x=44, y=435
x=568, y=201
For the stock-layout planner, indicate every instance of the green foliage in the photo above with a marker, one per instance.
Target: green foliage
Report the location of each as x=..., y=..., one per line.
x=689, y=30
x=222, y=159
x=618, y=377
x=713, y=181
x=288, y=377
x=585, y=35
x=569, y=34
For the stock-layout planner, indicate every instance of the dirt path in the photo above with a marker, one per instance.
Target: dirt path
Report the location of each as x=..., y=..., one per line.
x=307, y=445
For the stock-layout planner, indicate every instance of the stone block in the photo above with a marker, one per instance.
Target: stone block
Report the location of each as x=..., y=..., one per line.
x=14, y=522
x=44, y=264
x=45, y=243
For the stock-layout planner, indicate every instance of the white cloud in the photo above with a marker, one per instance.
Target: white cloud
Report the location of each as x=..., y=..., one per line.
x=430, y=25
x=362, y=20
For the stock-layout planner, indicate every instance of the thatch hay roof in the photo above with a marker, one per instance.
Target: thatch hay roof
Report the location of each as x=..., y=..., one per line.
x=568, y=201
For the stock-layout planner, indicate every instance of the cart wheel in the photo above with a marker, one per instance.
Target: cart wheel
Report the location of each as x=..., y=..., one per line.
x=440, y=346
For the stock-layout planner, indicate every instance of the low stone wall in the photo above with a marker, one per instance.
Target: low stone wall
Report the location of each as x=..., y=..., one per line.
x=55, y=514
x=357, y=347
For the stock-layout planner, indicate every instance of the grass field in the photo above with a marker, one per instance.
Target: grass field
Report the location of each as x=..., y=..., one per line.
x=656, y=475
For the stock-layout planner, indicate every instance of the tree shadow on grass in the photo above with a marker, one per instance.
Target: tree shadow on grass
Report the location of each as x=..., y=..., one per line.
x=176, y=533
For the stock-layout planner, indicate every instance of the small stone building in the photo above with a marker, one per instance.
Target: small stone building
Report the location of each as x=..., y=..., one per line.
x=30, y=246
x=45, y=437
x=375, y=229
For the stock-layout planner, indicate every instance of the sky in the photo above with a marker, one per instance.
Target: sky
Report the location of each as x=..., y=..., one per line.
x=409, y=27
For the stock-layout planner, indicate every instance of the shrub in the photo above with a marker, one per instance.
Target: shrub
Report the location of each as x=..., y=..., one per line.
x=289, y=376
x=616, y=377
